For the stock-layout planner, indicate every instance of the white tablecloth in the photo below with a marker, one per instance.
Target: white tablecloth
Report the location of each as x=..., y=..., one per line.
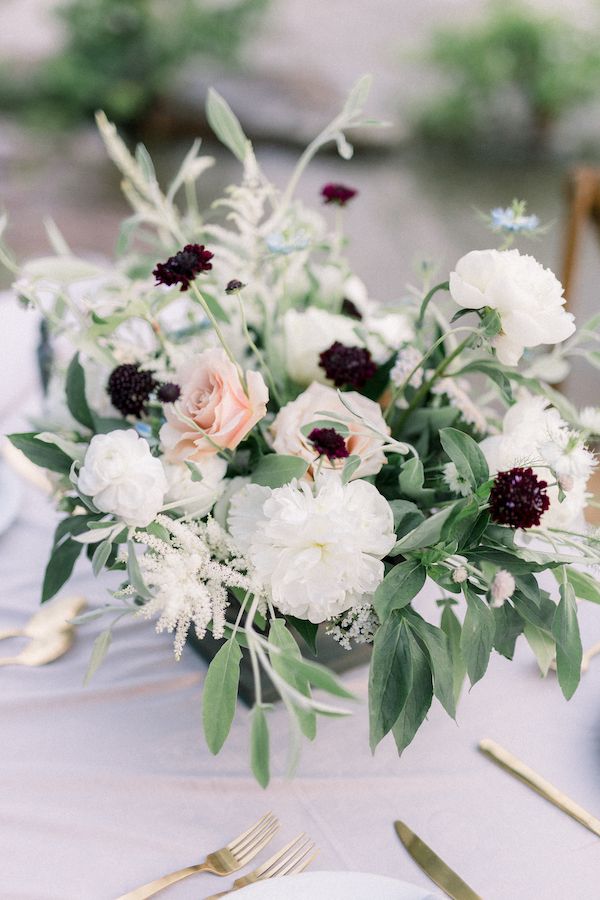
x=107, y=787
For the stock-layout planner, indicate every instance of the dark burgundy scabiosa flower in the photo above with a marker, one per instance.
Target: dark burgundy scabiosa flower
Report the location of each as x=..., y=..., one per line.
x=184, y=266
x=337, y=193
x=168, y=392
x=328, y=442
x=129, y=388
x=350, y=309
x=347, y=366
x=518, y=498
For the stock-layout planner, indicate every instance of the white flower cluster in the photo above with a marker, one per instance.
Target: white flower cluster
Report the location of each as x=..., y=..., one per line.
x=357, y=624
x=189, y=577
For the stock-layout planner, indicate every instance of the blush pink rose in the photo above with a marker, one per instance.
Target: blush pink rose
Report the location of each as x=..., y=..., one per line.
x=318, y=398
x=213, y=398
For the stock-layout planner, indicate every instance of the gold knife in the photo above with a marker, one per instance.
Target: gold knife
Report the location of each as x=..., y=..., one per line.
x=433, y=866
x=543, y=787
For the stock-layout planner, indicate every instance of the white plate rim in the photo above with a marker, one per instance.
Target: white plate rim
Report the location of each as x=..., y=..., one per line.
x=374, y=881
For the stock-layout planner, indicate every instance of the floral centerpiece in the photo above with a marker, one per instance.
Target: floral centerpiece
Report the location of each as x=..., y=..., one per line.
x=259, y=450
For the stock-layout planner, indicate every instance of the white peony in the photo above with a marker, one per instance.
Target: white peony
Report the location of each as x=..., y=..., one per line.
x=195, y=498
x=317, y=548
x=309, y=407
x=307, y=334
x=122, y=477
x=528, y=297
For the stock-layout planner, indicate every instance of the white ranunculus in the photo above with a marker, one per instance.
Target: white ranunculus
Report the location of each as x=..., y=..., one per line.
x=317, y=548
x=307, y=334
x=528, y=297
x=122, y=477
x=195, y=498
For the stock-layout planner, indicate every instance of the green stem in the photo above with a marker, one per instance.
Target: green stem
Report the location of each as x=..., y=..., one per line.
x=443, y=286
x=257, y=352
x=219, y=333
x=426, y=387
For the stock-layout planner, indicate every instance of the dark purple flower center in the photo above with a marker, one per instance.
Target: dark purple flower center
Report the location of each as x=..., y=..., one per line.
x=347, y=366
x=168, y=392
x=129, y=388
x=184, y=266
x=337, y=193
x=328, y=442
x=518, y=498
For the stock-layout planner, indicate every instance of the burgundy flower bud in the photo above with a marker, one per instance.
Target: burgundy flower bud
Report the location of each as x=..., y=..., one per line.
x=168, y=392
x=337, y=193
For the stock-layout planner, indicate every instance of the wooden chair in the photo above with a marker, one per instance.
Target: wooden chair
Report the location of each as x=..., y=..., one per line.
x=583, y=197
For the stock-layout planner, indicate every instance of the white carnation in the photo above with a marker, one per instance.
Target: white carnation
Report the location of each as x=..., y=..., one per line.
x=318, y=549
x=528, y=297
x=122, y=477
x=195, y=498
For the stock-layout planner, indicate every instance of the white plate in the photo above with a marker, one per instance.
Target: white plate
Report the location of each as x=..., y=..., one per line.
x=10, y=497
x=335, y=886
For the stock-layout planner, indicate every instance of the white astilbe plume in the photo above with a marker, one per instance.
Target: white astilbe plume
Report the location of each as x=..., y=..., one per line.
x=188, y=577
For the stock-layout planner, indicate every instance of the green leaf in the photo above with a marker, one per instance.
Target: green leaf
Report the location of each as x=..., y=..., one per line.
x=585, y=587
x=435, y=644
x=43, y=454
x=99, y=651
x=76, y=399
x=427, y=534
x=280, y=638
x=59, y=567
x=308, y=631
x=275, y=469
x=399, y=586
x=350, y=467
x=101, y=554
x=412, y=478
x=357, y=96
x=134, y=573
x=565, y=630
x=216, y=308
x=194, y=470
x=105, y=425
x=325, y=423
x=419, y=699
x=319, y=676
x=226, y=125
x=259, y=746
x=509, y=625
x=407, y=516
x=466, y=455
x=542, y=644
x=219, y=697
x=390, y=676
x=453, y=630
x=477, y=637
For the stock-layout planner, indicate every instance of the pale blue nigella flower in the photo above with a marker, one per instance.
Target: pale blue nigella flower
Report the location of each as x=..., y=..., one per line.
x=281, y=243
x=509, y=220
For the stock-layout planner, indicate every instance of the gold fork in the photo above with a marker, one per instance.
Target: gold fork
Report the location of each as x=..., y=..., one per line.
x=225, y=861
x=49, y=631
x=293, y=858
